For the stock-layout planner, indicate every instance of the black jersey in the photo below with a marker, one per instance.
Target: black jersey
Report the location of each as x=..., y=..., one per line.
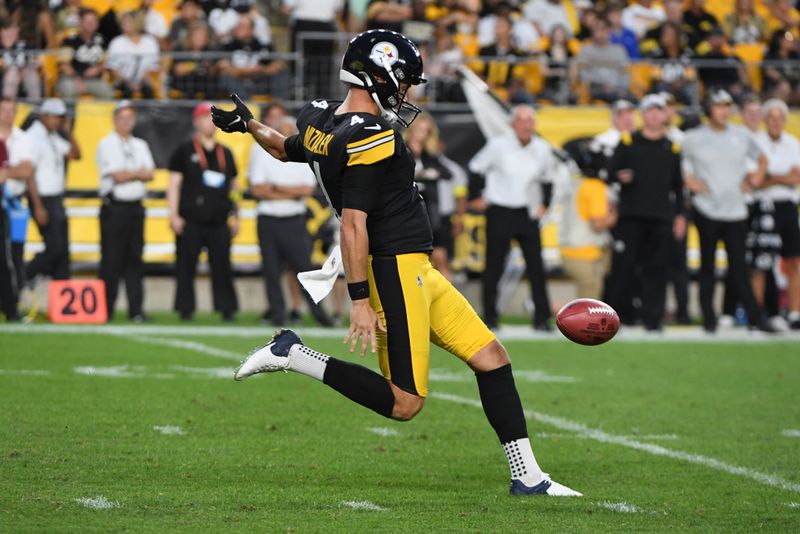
x=361, y=163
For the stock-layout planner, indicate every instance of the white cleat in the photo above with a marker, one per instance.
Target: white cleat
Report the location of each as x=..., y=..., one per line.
x=545, y=487
x=274, y=356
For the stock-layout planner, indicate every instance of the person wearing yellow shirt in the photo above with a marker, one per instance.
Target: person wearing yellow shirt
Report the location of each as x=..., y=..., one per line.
x=584, y=233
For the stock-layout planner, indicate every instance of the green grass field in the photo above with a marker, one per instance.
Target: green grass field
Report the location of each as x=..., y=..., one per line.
x=659, y=436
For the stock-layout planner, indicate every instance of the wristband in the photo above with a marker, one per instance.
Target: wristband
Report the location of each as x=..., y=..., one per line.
x=358, y=290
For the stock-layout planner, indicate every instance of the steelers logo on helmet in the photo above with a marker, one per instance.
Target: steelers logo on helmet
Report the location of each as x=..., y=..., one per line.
x=384, y=54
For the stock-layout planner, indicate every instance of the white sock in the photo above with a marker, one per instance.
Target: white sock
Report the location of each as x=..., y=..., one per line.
x=522, y=462
x=307, y=361
x=794, y=316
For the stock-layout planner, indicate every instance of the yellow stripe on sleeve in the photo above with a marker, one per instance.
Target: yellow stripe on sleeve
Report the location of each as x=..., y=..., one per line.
x=372, y=155
x=372, y=139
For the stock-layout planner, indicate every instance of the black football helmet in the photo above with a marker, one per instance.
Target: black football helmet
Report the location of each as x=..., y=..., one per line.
x=380, y=61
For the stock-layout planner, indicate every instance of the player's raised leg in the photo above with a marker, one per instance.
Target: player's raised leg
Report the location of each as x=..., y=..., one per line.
x=286, y=352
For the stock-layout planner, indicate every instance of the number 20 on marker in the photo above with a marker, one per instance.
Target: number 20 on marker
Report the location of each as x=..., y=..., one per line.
x=77, y=301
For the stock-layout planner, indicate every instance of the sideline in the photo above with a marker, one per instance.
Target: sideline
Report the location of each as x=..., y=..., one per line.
x=680, y=334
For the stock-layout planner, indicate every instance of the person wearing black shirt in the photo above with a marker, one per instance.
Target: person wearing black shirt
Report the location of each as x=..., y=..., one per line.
x=719, y=68
x=18, y=66
x=698, y=22
x=500, y=62
x=249, y=70
x=400, y=302
x=389, y=14
x=201, y=179
x=82, y=73
x=647, y=166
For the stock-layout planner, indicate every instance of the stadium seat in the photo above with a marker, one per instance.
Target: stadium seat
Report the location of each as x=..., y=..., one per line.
x=752, y=54
x=641, y=77
x=50, y=72
x=531, y=73
x=720, y=8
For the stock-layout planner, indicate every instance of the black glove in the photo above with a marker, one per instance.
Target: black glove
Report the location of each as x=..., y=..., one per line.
x=232, y=121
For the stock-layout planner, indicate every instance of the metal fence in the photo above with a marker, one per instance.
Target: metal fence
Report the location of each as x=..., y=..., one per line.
x=311, y=71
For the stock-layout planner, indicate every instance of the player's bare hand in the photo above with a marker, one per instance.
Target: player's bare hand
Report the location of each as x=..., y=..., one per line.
x=363, y=324
x=177, y=223
x=233, y=225
x=41, y=216
x=458, y=227
x=679, y=227
x=625, y=176
x=695, y=185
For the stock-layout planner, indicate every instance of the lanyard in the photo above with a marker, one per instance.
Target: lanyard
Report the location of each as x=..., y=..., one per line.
x=201, y=156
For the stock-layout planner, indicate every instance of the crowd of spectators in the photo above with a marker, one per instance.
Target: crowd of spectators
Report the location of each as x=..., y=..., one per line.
x=564, y=51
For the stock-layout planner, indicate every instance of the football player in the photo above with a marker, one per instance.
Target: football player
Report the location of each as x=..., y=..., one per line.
x=400, y=302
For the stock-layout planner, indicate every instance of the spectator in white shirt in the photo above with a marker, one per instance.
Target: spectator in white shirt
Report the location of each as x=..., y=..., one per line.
x=523, y=31
x=154, y=23
x=642, y=16
x=224, y=21
x=125, y=164
x=779, y=192
x=515, y=166
x=314, y=16
x=50, y=146
x=282, y=233
x=547, y=14
x=16, y=170
x=132, y=57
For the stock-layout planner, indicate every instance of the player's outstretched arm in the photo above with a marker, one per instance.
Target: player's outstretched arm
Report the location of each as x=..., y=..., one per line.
x=241, y=120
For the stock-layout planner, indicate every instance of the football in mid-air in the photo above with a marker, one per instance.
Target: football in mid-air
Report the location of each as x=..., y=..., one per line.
x=588, y=321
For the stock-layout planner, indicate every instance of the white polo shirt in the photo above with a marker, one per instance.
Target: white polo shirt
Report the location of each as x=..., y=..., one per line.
x=782, y=155
x=638, y=18
x=133, y=60
x=117, y=154
x=513, y=172
x=319, y=10
x=19, y=150
x=264, y=169
x=48, y=150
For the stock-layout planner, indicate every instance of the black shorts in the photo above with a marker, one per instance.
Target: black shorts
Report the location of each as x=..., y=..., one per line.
x=774, y=230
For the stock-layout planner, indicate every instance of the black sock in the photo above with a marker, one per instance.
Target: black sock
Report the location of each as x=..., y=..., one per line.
x=501, y=403
x=361, y=385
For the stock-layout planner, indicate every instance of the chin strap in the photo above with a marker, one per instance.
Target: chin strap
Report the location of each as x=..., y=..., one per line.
x=387, y=114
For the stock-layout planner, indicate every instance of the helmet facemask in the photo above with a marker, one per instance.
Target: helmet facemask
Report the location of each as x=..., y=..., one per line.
x=389, y=93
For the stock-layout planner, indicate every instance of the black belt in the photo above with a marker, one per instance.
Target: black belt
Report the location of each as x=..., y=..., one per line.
x=111, y=201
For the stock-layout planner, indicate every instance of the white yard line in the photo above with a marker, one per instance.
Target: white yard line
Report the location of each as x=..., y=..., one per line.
x=791, y=433
x=656, y=450
x=98, y=503
x=506, y=333
x=644, y=437
x=170, y=430
x=24, y=372
x=623, y=507
x=187, y=345
x=384, y=431
x=530, y=376
x=363, y=505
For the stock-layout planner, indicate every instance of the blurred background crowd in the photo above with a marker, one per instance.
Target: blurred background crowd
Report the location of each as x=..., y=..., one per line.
x=105, y=141
x=562, y=51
